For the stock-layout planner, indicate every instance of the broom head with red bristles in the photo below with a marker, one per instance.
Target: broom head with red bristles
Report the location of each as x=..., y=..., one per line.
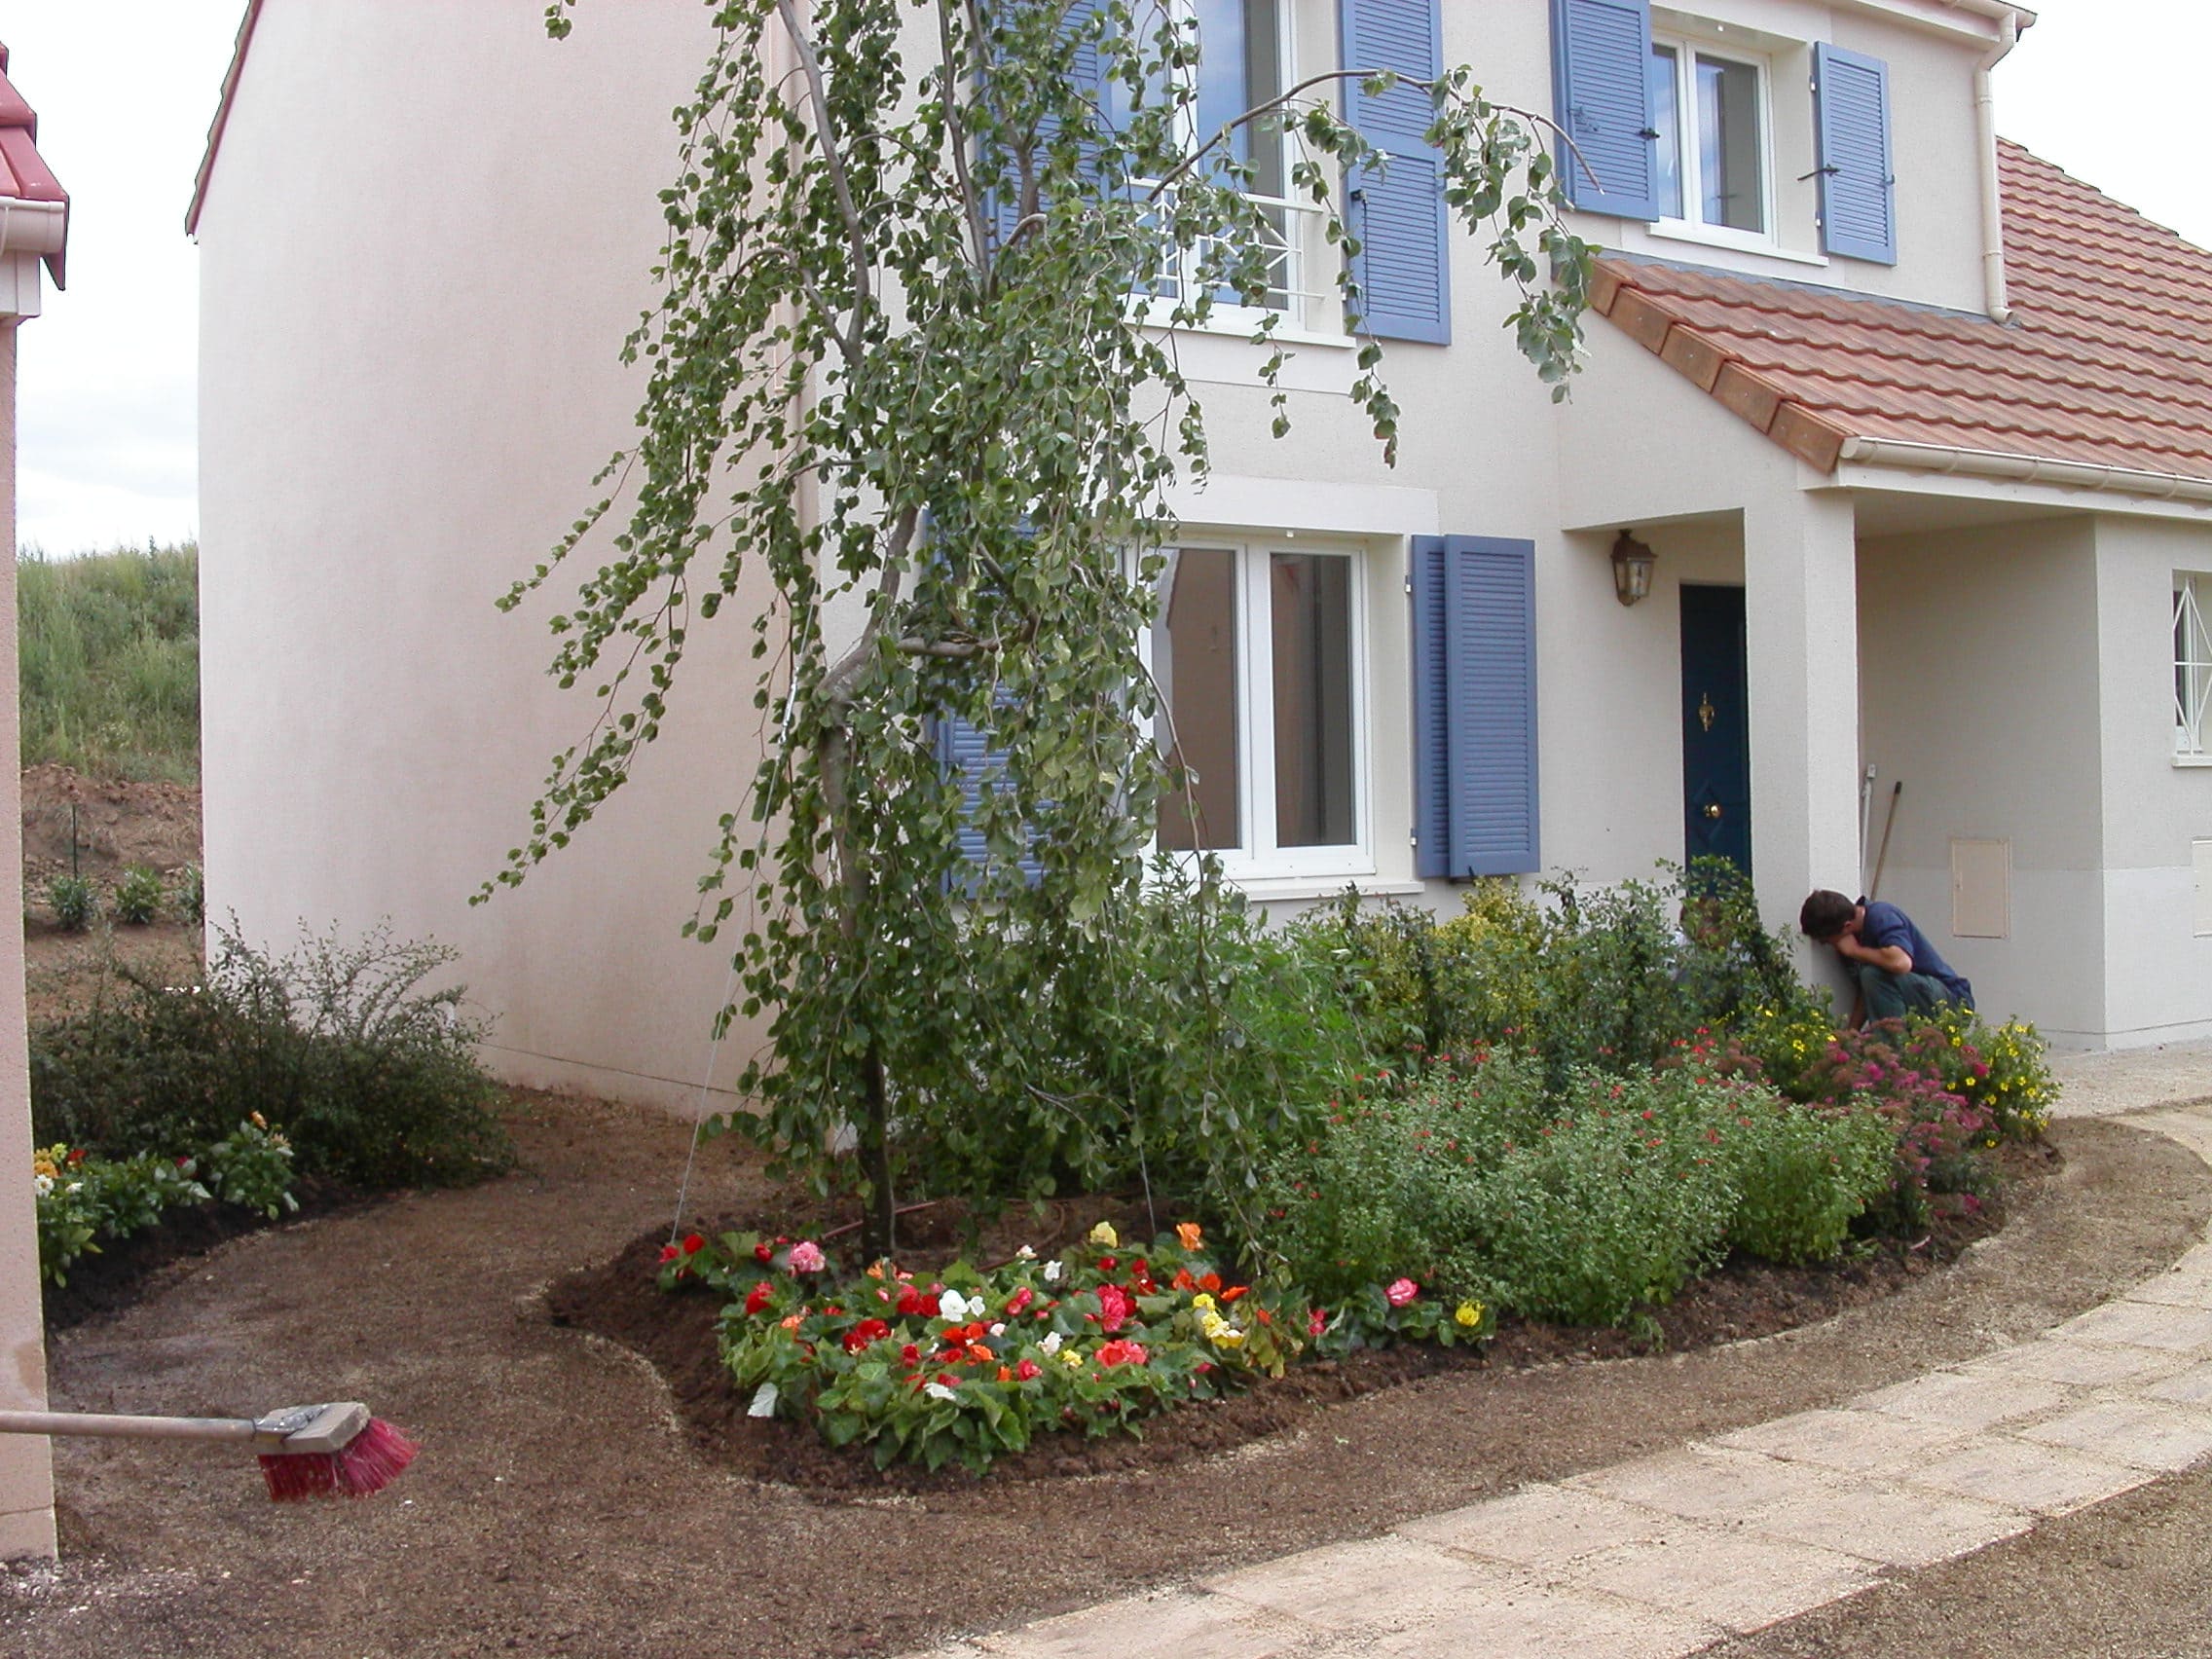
x=331, y=1451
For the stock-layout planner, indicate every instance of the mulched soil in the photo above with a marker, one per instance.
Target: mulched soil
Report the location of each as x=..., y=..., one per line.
x=561, y=1505
x=620, y=1300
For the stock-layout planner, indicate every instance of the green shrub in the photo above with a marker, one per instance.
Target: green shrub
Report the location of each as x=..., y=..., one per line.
x=252, y=1167
x=137, y=896
x=1802, y=1177
x=192, y=895
x=76, y=906
x=81, y=1199
x=375, y=1075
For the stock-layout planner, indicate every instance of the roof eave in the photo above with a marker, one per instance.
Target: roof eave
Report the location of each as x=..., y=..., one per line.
x=2000, y=466
x=222, y=116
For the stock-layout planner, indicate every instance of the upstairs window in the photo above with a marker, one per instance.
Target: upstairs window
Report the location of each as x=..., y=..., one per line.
x=1709, y=111
x=2192, y=664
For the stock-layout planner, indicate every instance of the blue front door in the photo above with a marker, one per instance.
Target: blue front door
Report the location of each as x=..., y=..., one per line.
x=1716, y=727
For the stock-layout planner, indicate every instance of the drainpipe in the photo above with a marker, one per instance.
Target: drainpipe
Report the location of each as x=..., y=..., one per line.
x=1994, y=297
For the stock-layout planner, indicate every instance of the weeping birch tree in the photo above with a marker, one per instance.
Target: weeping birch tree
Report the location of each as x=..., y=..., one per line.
x=912, y=360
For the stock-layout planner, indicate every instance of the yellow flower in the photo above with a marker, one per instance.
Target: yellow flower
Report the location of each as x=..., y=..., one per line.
x=258, y=1120
x=1104, y=1237
x=1187, y=1234
x=44, y=1165
x=1469, y=1314
x=1202, y=1300
x=1071, y=1360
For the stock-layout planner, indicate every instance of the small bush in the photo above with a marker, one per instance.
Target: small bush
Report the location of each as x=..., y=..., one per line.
x=81, y=1199
x=1803, y=1177
x=137, y=896
x=252, y=1167
x=192, y=895
x=375, y=1075
x=74, y=903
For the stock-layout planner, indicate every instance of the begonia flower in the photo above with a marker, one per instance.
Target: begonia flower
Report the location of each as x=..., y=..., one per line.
x=807, y=1257
x=1401, y=1292
x=1104, y=1237
x=1188, y=1235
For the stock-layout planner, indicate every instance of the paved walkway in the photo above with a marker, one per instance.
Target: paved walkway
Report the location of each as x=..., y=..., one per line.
x=1670, y=1554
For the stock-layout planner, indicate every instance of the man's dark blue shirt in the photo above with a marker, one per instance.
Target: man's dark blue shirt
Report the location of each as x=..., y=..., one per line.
x=1887, y=925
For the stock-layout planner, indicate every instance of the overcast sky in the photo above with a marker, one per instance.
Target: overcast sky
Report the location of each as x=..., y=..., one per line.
x=2110, y=89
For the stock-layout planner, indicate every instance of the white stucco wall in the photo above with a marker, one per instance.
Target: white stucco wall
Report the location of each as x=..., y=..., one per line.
x=2159, y=971
x=1980, y=694
x=417, y=269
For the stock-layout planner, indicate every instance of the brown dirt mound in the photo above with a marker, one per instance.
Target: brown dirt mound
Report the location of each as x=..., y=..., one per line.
x=115, y=823
x=620, y=1300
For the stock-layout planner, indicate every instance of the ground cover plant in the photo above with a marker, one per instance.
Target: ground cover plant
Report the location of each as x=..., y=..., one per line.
x=85, y=1199
x=354, y=1046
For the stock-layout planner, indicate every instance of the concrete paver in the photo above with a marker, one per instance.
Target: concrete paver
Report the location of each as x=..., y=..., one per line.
x=1661, y=1556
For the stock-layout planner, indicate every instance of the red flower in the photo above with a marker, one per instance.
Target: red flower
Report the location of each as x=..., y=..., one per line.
x=1026, y=1370
x=1233, y=1293
x=762, y=1254
x=1316, y=1322
x=1115, y=1306
x=1183, y=1280
x=909, y=1356
x=1122, y=1354
x=693, y=1244
x=866, y=1332
x=1210, y=1283
x=1107, y=1263
x=1401, y=1292
x=758, y=1296
x=1019, y=1300
x=913, y=1301
x=668, y=1252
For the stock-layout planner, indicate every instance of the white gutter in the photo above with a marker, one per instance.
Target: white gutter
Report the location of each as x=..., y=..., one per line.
x=1995, y=300
x=2027, y=469
x=33, y=227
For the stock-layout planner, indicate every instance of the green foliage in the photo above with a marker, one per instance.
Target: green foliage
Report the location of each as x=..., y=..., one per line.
x=81, y=1199
x=192, y=895
x=109, y=646
x=75, y=904
x=137, y=896
x=895, y=374
x=374, y=1071
x=1586, y=1206
x=251, y=1167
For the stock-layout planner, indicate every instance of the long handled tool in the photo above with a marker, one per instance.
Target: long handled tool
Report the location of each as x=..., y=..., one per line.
x=306, y=1450
x=1889, y=822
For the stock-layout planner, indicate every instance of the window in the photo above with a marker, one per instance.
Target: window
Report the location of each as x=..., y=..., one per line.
x=1243, y=61
x=1708, y=112
x=1257, y=657
x=2193, y=662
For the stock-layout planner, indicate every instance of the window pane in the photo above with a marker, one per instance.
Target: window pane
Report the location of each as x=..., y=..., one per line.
x=1732, y=192
x=1667, y=122
x=1240, y=66
x=1193, y=660
x=1311, y=606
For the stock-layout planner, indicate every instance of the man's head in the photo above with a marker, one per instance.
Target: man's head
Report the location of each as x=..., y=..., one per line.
x=1826, y=917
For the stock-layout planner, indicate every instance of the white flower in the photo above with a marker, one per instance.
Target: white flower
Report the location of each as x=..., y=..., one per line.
x=938, y=1391
x=42, y=1184
x=763, y=1401
x=1051, y=1344
x=1051, y=1273
x=74, y=1187
x=956, y=1308
x=1026, y=1254
x=999, y=1329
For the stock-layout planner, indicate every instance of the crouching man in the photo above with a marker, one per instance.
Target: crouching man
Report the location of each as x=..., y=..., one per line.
x=1887, y=959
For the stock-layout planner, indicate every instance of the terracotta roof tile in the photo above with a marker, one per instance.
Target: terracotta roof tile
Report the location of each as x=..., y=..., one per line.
x=24, y=175
x=2107, y=359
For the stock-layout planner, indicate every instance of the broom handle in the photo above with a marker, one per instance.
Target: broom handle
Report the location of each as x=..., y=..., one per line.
x=128, y=1427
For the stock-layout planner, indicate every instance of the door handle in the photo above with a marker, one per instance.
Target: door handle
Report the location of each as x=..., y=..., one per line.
x=1713, y=810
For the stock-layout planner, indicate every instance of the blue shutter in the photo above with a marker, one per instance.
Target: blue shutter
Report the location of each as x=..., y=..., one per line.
x=1601, y=86
x=1403, y=268
x=1087, y=71
x=1850, y=95
x=1474, y=671
x=966, y=756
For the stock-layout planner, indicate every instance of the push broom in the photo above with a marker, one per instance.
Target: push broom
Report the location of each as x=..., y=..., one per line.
x=306, y=1450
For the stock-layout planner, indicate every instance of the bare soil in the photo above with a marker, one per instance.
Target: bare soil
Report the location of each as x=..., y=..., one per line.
x=562, y=1503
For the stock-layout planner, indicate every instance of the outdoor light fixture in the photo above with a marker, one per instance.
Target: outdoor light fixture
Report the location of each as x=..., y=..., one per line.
x=1631, y=568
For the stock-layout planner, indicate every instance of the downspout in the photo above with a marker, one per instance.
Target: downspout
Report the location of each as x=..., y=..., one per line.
x=1995, y=299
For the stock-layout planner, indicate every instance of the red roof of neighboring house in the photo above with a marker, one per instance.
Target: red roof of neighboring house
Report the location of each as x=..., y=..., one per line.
x=2106, y=362
x=24, y=175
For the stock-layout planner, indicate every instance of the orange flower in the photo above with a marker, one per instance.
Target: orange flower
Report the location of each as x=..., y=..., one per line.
x=1183, y=1279
x=1233, y=1293
x=981, y=1354
x=1006, y=1375
x=1211, y=1282
x=792, y=1324
x=1188, y=1235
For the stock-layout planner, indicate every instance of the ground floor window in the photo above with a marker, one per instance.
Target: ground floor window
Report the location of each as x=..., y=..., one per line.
x=1257, y=654
x=2193, y=661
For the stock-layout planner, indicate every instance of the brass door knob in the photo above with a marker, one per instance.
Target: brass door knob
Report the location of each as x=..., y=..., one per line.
x=1712, y=811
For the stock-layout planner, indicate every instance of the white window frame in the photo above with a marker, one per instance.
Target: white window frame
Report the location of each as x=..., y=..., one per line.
x=1257, y=858
x=1687, y=49
x=2192, y=627
x=1310, y=314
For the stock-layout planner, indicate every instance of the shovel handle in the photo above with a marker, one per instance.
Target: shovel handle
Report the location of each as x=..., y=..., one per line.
x=108, y=1426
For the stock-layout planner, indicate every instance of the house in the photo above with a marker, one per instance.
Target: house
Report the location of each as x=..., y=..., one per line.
x=1913, y=428
x=34, y=241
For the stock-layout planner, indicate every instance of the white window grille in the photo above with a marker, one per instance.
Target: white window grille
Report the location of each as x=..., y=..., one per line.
x=2192, y=660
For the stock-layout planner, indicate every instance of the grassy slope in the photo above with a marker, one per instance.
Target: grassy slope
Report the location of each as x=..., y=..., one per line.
x=110, y=647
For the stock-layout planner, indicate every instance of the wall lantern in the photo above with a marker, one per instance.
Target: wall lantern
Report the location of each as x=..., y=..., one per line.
x=1631, y=568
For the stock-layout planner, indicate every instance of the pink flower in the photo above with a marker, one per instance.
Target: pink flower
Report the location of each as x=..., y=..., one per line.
x=807, y=1257
x=1115, y=1306
x=1122, y=1353
x=1317, y=1322
x=1401, y=1292
x=1019, y=1300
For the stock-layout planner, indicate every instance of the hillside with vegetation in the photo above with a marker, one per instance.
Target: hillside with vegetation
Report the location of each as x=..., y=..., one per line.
x=110, y=658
